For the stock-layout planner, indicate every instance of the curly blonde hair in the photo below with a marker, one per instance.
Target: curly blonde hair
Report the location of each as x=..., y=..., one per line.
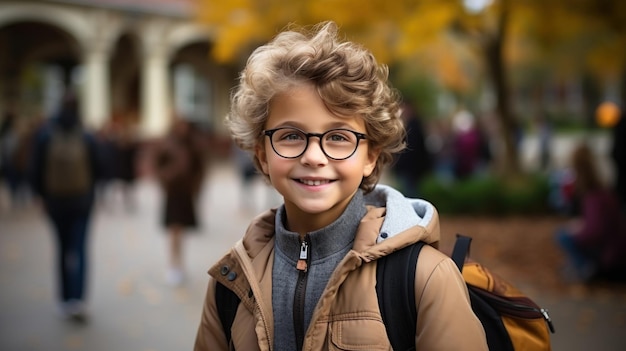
x=345, y=75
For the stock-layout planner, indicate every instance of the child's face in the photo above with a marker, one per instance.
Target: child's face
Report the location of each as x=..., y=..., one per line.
x=316, y=189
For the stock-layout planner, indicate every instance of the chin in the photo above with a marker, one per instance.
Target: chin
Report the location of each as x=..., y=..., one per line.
x=313, y=209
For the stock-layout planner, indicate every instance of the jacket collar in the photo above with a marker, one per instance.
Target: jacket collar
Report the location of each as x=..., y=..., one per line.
x=389, y=223
x=389, y=219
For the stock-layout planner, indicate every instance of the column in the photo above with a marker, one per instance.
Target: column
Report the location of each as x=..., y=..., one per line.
x=96, y=99
x=155, y=103
x=155, y=95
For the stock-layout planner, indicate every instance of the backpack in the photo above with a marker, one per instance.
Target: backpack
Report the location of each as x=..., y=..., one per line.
x=512, y=321
x=67, y=170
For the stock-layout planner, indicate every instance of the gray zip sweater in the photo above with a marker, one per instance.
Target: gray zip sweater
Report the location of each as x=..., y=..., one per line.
x=326, y=248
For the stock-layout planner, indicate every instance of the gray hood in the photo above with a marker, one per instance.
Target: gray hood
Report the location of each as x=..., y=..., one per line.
x=402, y=213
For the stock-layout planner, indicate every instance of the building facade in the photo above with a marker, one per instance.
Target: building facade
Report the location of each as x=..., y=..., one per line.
x=139, y=61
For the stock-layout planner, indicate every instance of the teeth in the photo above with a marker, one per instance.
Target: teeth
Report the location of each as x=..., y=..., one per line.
x=313, y=182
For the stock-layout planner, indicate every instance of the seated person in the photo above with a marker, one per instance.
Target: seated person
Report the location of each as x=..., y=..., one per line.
x=594, y=242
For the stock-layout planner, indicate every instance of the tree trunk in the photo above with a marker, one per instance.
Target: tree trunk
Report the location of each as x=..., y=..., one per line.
x=493, y=47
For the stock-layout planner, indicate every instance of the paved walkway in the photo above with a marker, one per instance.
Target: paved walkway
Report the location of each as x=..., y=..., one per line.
x=131, y=307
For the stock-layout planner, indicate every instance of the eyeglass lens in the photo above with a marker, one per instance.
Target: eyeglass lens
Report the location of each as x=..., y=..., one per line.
x=336, y=143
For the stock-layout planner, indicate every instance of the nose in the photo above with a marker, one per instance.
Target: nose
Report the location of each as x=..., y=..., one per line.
x=313, y=155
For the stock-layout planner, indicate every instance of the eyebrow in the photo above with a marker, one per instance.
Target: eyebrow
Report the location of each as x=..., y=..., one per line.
x=334, y=125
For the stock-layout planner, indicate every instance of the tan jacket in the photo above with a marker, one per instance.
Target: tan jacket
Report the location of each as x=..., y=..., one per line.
x=347, y=316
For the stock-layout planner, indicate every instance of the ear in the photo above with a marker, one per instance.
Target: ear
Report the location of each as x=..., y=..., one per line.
x=370, y=165
x=261, y=154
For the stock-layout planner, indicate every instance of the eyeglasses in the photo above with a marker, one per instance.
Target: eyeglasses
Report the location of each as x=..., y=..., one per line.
x=336, y=144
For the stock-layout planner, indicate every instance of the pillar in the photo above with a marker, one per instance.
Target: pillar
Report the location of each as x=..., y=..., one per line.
x=155, y=94
x=96, y=99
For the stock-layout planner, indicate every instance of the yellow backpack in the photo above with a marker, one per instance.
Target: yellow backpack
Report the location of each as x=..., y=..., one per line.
x=497, y=303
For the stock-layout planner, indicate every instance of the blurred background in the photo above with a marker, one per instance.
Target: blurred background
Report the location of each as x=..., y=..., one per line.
x=498, y=95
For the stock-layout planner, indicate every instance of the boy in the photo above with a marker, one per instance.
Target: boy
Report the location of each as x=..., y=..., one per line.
x=322, y=123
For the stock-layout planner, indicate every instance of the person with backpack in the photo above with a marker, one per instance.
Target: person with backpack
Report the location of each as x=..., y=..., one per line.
x=65, y=168
x=322, y=123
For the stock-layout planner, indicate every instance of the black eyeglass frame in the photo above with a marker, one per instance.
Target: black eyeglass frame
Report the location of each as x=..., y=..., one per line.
x=359, y=137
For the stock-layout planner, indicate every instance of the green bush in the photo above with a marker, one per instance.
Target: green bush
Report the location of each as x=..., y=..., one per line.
x=488, y=194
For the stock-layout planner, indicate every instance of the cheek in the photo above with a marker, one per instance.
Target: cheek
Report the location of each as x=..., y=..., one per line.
x=276, y=166
x=362, y=165
x=355, y=167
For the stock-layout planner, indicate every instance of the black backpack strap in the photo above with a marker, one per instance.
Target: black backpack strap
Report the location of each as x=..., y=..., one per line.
x=495, y=330
x=461, y=250
x=395, y=287
x=227, y=302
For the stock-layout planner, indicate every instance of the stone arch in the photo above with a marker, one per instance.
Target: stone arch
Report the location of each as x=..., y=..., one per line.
x=69, y=21
x=93, y=30
x=210, y=83
x=191, y=43
x=125, y=73
x=186, y=34
x=189, y=73
x=32, y=51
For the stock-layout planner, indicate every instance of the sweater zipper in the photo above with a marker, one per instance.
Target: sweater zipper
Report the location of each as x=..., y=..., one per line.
x=298, y=299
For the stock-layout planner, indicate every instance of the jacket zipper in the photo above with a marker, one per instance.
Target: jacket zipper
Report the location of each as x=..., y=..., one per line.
x=298, y=299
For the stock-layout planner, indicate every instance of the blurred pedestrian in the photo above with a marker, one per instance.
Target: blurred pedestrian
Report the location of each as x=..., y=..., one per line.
x=595, y=241
x=544, y=135
x=126, y=147
x=180, y=170
x=11, y=142
x=618, y=154
x=441, y=143
x=120, y=146
x=470, y=147
x=65, y=169
x=21, y=160
x=8, y=142
x=416, y=161
x=247, y=174
x=106, y=142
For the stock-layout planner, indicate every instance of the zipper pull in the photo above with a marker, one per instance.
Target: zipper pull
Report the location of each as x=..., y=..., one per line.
x=546, y=316
x=304, y=255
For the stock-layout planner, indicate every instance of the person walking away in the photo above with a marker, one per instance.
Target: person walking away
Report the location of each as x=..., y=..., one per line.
x=180, y=170
x=65, y=169
x=322, y=123
x=595, y=241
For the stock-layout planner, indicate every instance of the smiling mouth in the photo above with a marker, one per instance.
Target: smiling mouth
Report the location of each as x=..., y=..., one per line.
x=314, y=182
